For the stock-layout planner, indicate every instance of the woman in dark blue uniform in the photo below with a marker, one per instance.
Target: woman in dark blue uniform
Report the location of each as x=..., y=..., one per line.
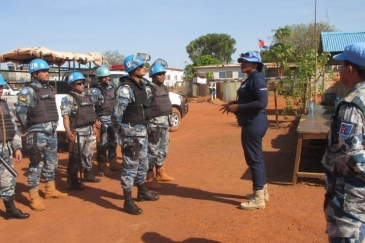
x=249, y=108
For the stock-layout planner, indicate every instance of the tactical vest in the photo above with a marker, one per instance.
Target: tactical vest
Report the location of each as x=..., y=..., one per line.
x=9, y=129
x=46, y=108
x=137, y=112
x=106, y=108
x=85, y=114
x=161, y=103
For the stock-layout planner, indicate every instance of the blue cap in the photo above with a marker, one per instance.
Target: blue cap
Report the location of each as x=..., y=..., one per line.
x=354, y=53
x=250, y=57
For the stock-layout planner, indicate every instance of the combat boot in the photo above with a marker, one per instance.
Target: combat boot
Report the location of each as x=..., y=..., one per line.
x=113, y=165
x=266, y=194
x=162, y=176
x=52, y=192
x=129, y=206
x=151, y=182
x=35, y=201
x=104, y=170
x=12, y=212
x=145, y=195
x=256, y=202
x=73, y=183
x=89, y=177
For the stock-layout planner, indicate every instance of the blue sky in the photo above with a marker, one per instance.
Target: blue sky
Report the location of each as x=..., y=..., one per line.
x=161, y=28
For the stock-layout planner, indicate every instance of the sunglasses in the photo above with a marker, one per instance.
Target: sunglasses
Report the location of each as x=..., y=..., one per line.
x=80, y=83
x=160, y=74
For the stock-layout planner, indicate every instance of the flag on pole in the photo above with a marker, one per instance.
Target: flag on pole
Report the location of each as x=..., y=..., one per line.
x=263, y=45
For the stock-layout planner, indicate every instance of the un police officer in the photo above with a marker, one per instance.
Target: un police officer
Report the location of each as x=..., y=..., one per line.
x=10, y=141
x=79, y=119
x=344, y=159
x=158, y=128
x=103, y=97
x=37, y=112
x=249, y=108
x=130, y=117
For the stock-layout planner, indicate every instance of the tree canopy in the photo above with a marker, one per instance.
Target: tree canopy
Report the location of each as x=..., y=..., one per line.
x=206, y=60
x=218, y=46
x=113, y=57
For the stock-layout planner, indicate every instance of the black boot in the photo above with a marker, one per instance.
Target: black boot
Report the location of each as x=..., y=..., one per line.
x=144, y=195
x=73, y=183
x=89, y=177
x=129, y=206
x=12, y=212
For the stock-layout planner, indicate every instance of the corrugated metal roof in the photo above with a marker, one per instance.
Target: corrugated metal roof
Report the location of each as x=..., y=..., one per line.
x=337, y=41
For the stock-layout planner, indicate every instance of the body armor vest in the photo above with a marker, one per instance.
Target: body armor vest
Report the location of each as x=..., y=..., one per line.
x=161, y=103
x=137, y=112
x=106, y=108
x=85, y=114
x=46, y=108
x=8, y=127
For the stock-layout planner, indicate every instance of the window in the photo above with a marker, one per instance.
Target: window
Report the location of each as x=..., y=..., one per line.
x=241, y=75
x=222, y=74
x=168, y=77
x=229, y=74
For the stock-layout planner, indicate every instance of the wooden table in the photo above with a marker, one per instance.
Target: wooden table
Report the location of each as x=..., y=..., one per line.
x=310, y=127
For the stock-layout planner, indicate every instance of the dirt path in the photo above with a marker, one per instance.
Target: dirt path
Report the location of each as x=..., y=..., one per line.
x=207, y=161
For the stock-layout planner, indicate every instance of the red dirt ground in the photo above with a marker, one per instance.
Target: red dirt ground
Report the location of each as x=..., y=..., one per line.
x=211, y=177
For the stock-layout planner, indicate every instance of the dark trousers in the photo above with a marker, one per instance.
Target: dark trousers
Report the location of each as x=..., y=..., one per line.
x=253, y=130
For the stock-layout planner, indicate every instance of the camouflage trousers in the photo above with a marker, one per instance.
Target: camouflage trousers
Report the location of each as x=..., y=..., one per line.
x=86, y=153
x=7, y=180
x=135, y=161
x=108, y=143
x=157, y=149
x=345, y=221
x=43, y=158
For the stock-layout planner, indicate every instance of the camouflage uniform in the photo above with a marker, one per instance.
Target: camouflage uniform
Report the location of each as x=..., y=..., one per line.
x=134, y=167
x=108, y=137
x=158, y=145
x=7, y=180
x=86, y=135
x=344, y=168
x=41, y=138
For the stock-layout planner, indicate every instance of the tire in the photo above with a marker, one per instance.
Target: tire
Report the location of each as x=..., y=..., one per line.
x=175, y=120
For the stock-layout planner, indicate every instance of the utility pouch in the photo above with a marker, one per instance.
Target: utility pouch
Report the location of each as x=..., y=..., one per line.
x=35, y=155
x=132, y=146
x=154, y=134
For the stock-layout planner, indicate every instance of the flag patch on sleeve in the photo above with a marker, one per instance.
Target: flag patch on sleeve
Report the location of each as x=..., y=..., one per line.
x=345, y=130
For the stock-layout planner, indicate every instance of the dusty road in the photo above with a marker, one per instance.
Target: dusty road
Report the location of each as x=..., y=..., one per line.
x=211, y=176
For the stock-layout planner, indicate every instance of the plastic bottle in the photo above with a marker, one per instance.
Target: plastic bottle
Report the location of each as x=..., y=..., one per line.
x=337, y=101
x=310, y=108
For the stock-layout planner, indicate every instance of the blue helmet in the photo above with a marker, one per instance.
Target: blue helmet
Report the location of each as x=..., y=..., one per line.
x=38, y=64
x=74, y=76
x=102, y=72
x=2, y=80
x=157, y=68
x=250, y=57
x=132, y=62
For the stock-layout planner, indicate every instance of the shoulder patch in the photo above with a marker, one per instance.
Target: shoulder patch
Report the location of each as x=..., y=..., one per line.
x=24, y=91
x=125, y=90
x=345, y=130
x=22, y=98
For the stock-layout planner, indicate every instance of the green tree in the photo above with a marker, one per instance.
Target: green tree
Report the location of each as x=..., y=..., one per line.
x=113, y=57
x=206, y=60
x=305, y=37
x=219, y=46
x=281, y=52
